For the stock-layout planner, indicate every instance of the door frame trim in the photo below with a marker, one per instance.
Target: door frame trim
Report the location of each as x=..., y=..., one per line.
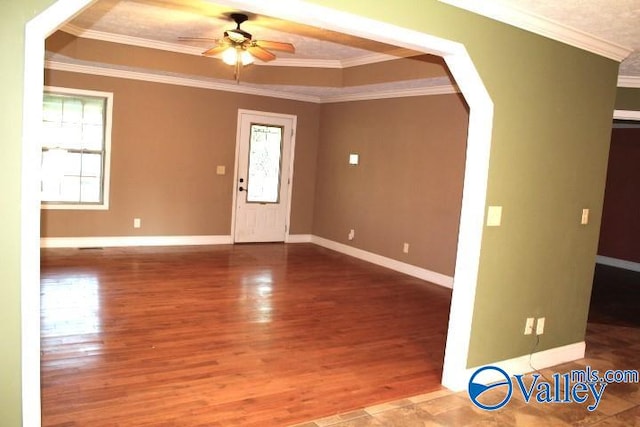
x=294, y=124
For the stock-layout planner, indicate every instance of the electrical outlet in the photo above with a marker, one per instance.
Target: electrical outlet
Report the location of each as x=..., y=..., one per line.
x=352, y=234
x=494, y=216
x=540, y=326
x=136, y=223
x=528, y=326
x=585, y=217
x=405, y=248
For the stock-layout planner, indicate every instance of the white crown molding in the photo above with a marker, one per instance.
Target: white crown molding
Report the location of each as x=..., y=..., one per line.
x=301, y=63
x=629, y=81
x=374, y=58
x=394, y=93
x=542, y=26
x=129, y=40
x=175, y=80
x=229, y=87
x=190, y=50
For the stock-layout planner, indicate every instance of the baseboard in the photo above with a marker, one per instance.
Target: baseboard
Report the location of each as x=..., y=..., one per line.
x=112, y=241
x=411, y=270
x=124, y=241
x=523, y=364
x=619, y=263
x=298, y=238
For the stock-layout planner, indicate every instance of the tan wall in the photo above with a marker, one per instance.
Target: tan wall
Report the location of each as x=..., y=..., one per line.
x=166, y=143
x=408, y=185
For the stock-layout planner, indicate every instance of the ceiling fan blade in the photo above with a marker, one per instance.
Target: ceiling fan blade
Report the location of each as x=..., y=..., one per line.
x=215, y=50
x=284, y=47
x=260, y=53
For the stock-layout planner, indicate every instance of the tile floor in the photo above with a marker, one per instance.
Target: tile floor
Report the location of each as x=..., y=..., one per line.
x=608, y=347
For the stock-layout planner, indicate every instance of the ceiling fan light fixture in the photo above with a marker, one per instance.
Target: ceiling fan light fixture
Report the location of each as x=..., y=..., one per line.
x=235, y=55
x=246, y=58
x=230, y=56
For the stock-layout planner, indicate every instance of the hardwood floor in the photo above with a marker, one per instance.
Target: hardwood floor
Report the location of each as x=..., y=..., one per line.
x=251, y=335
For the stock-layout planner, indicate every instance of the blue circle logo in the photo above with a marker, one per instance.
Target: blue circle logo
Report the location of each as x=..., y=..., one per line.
x=477, y=388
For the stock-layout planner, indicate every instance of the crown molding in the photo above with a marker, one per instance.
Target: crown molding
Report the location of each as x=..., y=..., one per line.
x=394, y=93
x=537, y=24
x=301, y=63
x=129, y=40
x=175, y=80
x=629, y=81
x=190, y=50
x=229, y=87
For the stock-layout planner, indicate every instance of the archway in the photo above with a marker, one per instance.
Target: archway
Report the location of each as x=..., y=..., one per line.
x=473, y=198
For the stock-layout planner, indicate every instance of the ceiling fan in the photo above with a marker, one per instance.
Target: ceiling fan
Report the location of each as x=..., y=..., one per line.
x=238, y=48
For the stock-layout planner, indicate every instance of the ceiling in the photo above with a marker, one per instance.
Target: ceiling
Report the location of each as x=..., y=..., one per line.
x=160, y=23
x=613, y=21
x=617, y=21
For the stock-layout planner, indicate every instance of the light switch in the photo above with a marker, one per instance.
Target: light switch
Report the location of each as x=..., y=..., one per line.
x=494, y=216
x=585, y=217
x=220, y=170
x=353, y=159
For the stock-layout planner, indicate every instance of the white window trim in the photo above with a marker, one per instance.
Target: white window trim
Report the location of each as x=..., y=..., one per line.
x=107, y=150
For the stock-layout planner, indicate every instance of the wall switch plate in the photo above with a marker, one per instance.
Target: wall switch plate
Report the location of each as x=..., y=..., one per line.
x=221, y=170
x=405, y=248
x=528, y=326
x=136, y=223
x=540, y=326
x=585, y=217
x=352, y=234
x=354, y=159
x=494, y=216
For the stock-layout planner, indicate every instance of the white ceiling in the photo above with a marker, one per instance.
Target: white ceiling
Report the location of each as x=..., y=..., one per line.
x=160, y=23
x=165, y=21
x=616, y=21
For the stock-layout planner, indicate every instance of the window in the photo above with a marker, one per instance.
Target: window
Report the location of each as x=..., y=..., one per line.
x=265, y=154
x=76, y=139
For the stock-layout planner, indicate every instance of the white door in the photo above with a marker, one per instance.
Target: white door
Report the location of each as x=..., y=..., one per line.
x=263, y=182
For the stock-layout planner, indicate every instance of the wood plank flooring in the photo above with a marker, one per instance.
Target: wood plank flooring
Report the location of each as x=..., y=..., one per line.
x=250, y=335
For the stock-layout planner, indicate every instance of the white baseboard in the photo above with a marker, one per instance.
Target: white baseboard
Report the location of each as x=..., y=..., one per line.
x=411, y=270
x=523, y=364
x=298, y=238
x=124, y=241
x=113, y=241
x=619, y=263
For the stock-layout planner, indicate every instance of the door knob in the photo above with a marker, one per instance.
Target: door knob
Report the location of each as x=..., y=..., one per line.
x=241, y=189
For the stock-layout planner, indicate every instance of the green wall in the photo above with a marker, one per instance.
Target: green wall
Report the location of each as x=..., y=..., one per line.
x=14, y=16
x=548, y=161
x=628, y=98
